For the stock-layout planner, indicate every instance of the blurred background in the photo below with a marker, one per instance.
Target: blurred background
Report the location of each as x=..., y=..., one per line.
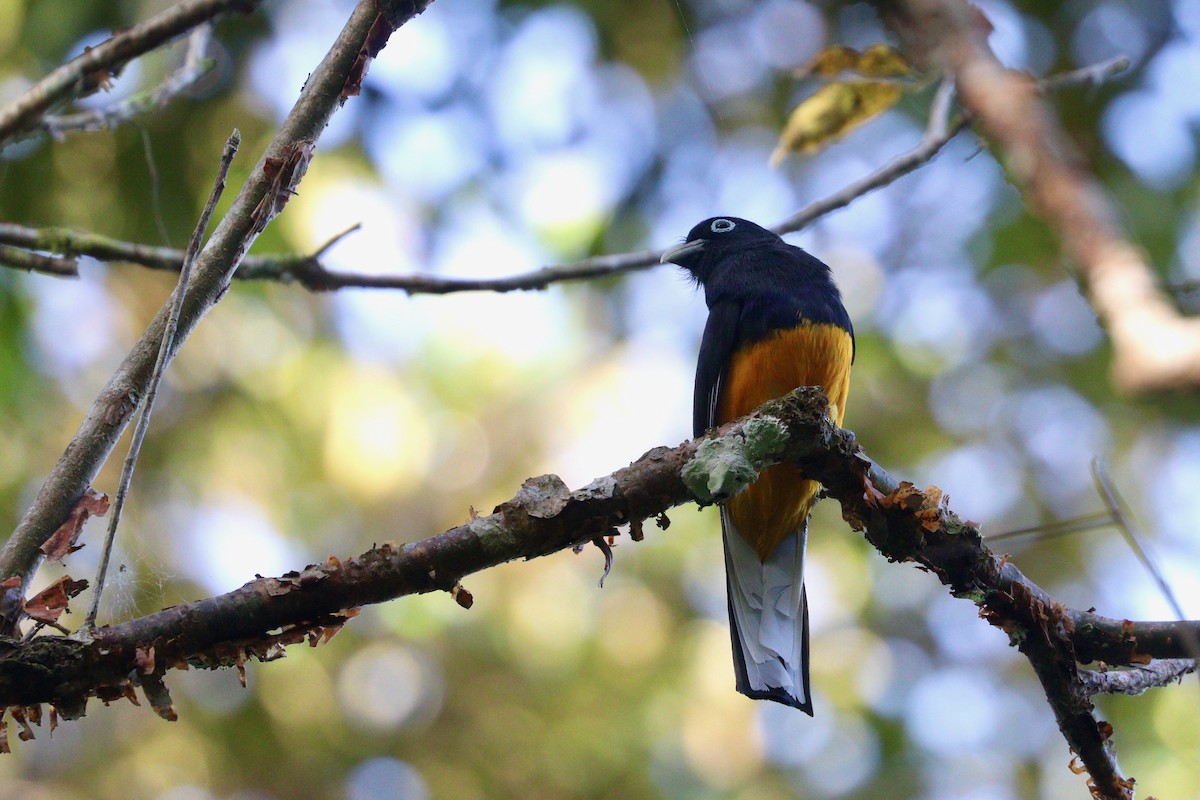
x=493, y=138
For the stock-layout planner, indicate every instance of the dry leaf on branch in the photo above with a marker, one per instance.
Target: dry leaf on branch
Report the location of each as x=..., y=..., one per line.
x=49, y=604
x=62, y=541
x=877, y=61
x=831, y=112
x=880, y=76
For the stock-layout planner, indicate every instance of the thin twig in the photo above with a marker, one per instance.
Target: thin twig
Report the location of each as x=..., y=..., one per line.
x=1136, y=680
x=70, y=242
x=89, y=70
x=1092, y=75
x=1124, y=521
x=1087, y=522
x=29, y=261
x=313, y=275
x=160, y=365
x=195, y=66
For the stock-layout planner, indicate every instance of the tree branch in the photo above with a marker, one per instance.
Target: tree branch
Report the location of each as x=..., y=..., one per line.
x=261, y=197
x=19, y=258
x=311, y=273
x=88, y=71
x=173, y=306
x=1138, y=679
x=1153, y=346
x=903, y=523
x=194, y=67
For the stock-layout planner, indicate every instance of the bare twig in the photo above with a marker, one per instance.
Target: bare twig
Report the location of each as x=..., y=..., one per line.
x=313, y=275
x=1092, y=75
x=1050, y=530
x=1133, y=535
x=1125, y=522
x=195, y=66
x=164, y=356
x=69, y=243
x=29, y=261
x=1137, y=679
x=90, y=69
x=270, y=183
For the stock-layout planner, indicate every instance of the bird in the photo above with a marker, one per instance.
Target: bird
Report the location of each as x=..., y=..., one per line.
x=775, y=322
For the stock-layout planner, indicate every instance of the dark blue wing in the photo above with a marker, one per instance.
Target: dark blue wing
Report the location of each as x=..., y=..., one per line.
x=716, y=348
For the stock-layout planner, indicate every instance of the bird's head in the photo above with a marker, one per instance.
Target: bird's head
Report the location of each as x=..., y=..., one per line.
x=713, y=239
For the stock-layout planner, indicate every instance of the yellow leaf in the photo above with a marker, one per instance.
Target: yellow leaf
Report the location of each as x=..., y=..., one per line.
x=877, y=61
x=883, y=61
x=830, y=113
x=833, y=61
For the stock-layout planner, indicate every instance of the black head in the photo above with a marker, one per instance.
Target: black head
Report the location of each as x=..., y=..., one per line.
x=708, y=242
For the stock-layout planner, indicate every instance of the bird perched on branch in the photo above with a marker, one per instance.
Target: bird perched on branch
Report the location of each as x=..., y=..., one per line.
x=775, y=322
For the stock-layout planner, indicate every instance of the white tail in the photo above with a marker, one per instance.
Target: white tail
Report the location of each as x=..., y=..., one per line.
x=768, y=618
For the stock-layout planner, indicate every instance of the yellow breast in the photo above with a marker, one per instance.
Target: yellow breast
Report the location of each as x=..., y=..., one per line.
x=808, y=355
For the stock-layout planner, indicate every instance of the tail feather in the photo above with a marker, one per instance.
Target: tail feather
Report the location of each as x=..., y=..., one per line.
x=768, y=618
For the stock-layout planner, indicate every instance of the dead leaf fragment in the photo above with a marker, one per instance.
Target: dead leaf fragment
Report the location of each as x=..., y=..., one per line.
x=376, y=39
x=461, y=596
x=62, y=541
x=18, y=715
x=830, y=113
x=96, y=80
x=284, y=171
x=50, y=603
x=635, y=530
x=159, y=697
x=144, y=659
x=119, y=409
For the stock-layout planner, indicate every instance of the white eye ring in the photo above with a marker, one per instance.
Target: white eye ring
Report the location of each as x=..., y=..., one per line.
x=722, y=225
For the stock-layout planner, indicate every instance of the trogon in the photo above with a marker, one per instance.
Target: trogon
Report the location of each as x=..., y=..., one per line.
x=775, y=322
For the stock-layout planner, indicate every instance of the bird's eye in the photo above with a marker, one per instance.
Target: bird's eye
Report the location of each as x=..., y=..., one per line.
x=722, y=225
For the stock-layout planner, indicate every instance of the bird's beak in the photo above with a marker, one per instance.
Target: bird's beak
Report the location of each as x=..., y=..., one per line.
x=675, y=254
